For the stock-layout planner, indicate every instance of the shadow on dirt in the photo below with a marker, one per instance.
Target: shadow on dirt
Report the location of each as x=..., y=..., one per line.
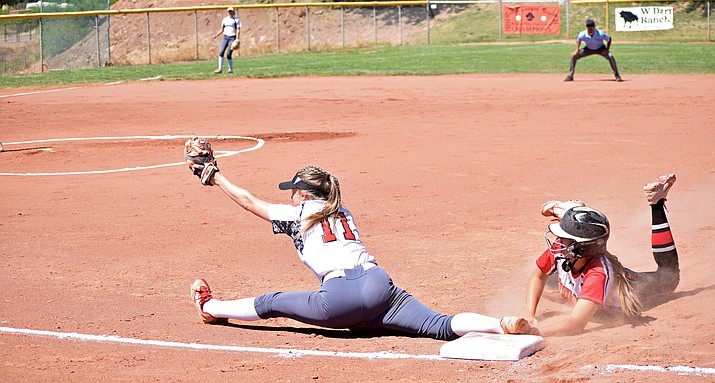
x=610, y=320
x=361, y=332
x=664, y=298
x=32, y=149
x=303, y=136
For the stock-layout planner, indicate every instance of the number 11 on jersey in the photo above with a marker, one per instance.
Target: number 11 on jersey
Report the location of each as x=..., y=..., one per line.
x=329, y=236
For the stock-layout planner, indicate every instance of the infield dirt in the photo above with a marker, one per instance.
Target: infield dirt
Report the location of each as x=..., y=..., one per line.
x=445, y=176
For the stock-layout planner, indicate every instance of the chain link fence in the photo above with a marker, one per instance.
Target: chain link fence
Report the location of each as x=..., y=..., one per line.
x=85, y=39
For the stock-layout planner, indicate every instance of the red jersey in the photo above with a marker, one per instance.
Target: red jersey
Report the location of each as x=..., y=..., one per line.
x=593, y=283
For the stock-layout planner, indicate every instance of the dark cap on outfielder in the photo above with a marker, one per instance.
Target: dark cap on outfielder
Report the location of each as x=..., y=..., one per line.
x=590, y=23
x=297, y=183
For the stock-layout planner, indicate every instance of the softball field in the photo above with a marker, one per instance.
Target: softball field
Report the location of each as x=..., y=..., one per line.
x=104, y=230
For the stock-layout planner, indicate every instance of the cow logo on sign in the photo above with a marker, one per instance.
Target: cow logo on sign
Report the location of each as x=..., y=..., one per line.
x=628, y=17
x=644, y=19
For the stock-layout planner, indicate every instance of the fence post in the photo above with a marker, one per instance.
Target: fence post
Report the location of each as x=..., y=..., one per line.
x=568, y=18
x=427, y=15
x=42, y=55
x=109, y=42
x=96, y=35
x=278, y=32
x=399, y=21
x=374, y=23
x=148, y=35
x=499, y=18
x=196, y=33
x=307, y=26
x=342, y=25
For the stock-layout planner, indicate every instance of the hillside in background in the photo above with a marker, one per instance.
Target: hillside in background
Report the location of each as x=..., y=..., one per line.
x=173, y=38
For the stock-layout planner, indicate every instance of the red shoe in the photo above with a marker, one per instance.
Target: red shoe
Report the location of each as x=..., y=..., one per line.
x=658, y=190
x=557, y=208
x=517, y=326
x=200, y=294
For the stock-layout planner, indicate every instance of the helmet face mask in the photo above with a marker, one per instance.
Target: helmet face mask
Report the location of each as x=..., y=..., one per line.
x=562, y=250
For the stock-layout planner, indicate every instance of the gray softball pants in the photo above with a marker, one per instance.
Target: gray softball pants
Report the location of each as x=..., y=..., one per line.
x=585, y=52
x=226, y=42
x=360, y=297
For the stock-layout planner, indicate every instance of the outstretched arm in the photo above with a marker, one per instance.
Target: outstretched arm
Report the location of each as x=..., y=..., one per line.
x=242, y=197
x=534, y=289
x=582, y=312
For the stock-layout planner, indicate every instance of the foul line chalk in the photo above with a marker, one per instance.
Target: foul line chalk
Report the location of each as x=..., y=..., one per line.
x=682, y=370
x=219, y=154
x=39, y=91
x=286, y=353
x=296, y=353
x=72, y=88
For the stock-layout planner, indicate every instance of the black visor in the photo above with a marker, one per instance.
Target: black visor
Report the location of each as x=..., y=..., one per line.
x=298, y=183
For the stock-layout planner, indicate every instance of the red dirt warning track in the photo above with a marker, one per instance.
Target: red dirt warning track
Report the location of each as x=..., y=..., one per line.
x=445, y=176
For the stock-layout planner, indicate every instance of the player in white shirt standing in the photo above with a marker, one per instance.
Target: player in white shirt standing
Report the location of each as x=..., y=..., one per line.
x=354, y=290
x=231, y=30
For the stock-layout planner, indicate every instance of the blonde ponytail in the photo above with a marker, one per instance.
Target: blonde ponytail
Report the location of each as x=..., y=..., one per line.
x=630, y=304
x=327, y=185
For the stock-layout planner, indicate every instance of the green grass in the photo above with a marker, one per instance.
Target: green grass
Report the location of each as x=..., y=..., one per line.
x=480, y=23
x=410, y=60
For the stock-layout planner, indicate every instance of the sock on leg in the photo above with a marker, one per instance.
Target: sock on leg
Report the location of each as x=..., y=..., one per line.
x=241, y=309
x=464, y=323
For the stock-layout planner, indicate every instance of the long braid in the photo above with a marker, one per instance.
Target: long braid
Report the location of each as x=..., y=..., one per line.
x=330, y=188
x=630, y=304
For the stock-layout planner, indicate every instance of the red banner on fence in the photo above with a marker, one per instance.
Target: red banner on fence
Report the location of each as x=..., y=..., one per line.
x=532, y=19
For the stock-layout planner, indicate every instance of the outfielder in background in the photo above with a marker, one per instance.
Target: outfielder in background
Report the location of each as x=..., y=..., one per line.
x=594, y=39
x=353, y=291
x=231, y=31
x=589, y=276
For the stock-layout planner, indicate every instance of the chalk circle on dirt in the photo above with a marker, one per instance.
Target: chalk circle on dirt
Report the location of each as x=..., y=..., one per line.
x=217, y=153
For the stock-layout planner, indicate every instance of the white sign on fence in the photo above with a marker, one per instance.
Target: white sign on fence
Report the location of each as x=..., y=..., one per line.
x=644, y=19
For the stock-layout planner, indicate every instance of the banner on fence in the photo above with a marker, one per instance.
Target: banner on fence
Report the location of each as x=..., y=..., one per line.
x=644, y=19
x=532, y=19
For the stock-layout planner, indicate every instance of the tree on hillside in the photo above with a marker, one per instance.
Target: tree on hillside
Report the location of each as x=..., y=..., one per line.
x=695, y=6
x=10, y=3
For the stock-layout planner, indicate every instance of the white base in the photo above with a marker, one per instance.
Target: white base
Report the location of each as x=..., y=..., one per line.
x=480, y=346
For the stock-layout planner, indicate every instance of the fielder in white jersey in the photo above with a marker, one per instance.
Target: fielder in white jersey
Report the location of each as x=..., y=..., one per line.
x=354, y=290
x=231, y=30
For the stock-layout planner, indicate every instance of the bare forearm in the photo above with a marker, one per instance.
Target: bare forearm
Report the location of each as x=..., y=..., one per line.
x=533, y=294
x=242, y=196
x=534, y=289
x=564, y=327
x=582, y=312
